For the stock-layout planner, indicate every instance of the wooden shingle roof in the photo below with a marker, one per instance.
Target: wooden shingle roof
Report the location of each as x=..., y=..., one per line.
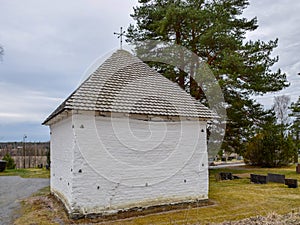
x=123, y=83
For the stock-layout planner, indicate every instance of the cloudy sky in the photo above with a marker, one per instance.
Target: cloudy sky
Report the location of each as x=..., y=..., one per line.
x=50, y=44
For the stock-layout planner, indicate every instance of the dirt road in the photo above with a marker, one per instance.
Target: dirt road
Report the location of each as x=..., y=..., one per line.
x=13, y=189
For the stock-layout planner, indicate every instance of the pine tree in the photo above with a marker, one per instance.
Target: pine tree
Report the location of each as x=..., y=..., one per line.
x=215, y=31
x=295, y=128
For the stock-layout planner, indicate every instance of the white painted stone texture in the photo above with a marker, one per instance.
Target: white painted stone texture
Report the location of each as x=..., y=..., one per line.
x=105, y=165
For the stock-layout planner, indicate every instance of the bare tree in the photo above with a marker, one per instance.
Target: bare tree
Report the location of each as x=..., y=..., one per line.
x=281, y=107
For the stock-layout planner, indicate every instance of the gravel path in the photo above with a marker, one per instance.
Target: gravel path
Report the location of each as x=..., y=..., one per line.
x=12, y=189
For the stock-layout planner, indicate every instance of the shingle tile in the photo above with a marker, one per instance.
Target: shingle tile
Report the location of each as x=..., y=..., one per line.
x=123, y=83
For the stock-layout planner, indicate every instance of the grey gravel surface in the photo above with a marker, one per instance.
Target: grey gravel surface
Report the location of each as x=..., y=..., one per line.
x=12, y=190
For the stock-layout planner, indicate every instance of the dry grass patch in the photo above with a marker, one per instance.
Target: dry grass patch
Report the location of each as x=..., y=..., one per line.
x=271, y=219
x=42, y=209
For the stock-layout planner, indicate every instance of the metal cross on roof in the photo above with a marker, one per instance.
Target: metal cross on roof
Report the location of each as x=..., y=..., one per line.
x=120, y=35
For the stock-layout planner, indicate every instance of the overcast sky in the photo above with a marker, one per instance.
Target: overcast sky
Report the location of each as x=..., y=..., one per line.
x=49, y=45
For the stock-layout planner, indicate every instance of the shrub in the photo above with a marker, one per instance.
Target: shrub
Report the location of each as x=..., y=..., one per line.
x=10, y=161
x=270, y=148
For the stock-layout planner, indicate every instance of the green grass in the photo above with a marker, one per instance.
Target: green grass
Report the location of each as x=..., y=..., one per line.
x=233, y=200
x=240, y=199
x=27, y=173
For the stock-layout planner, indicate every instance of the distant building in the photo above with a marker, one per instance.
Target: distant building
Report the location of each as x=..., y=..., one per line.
x=128, y=138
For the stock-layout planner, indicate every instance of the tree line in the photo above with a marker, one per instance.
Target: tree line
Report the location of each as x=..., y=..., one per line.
x=25, y=155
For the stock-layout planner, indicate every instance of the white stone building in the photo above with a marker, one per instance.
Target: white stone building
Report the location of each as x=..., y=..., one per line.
x=128, y=138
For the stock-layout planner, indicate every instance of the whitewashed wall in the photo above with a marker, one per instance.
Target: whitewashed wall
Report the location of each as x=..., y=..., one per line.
x=126, y=163
x=61, y=146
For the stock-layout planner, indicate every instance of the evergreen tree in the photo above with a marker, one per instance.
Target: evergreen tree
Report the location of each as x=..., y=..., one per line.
x=215, y=31
x=10, y=163
x=269, y=147
x=295, y=127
